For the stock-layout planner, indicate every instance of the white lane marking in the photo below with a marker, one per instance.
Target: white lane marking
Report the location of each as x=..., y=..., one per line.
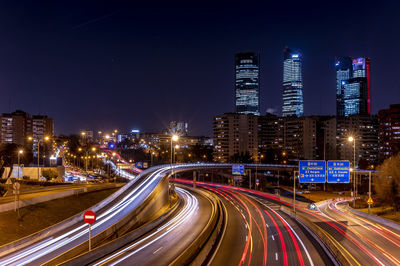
x=267, y=225
x=276, y=256
x=247, y=238
x=273, y=238
x=157, y=250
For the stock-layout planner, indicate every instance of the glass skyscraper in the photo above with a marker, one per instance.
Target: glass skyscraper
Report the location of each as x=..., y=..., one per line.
x=352, y=86
x=292, y=84
x=247, y=84
x=344, y=72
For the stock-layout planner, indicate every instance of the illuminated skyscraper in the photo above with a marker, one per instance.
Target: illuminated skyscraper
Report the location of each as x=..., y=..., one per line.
x=352, y=86
x=344, y=72
x=292, y=84
x=247, y=84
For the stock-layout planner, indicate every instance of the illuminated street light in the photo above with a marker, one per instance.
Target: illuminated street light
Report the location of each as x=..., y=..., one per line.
x=352, y=139
x=19, y=154
x=173, y=138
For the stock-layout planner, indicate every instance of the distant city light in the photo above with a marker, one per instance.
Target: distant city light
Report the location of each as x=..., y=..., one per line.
x=295, y=55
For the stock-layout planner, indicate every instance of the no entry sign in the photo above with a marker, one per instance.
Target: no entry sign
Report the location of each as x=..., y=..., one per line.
x=89, y=217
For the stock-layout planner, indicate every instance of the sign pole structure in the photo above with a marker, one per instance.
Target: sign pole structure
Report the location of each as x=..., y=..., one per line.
x=294, y=192
x=369, y=192
x=90, y=238
x=89, y=217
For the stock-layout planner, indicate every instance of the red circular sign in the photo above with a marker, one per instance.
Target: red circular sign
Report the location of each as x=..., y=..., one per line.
x=89, y=217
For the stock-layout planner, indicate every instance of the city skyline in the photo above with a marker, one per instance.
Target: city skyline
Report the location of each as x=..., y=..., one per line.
x=92, y=67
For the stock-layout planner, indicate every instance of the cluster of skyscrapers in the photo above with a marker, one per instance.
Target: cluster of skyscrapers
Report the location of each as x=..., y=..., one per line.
x=353, y=85
x=295, y=136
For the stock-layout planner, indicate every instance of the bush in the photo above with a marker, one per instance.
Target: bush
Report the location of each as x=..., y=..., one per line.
x=49, y=174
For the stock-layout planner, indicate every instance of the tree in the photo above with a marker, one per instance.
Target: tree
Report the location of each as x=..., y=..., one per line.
x=49, y=174
x=387, y=182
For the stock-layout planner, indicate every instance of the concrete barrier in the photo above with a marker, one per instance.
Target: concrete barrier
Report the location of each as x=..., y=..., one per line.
x=35, y=200
x=331, y=248
x=21, y=243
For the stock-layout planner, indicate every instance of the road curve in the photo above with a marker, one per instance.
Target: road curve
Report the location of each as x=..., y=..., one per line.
x=164, y=244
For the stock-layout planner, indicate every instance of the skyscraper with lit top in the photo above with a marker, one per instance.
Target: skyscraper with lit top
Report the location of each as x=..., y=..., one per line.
x=292, y=84
x=353, y=86
x=247, y=84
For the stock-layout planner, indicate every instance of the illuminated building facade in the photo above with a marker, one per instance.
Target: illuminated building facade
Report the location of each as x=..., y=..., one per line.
x=247, y=84
x=353, y=86
x=389, y=131
x=292, y=84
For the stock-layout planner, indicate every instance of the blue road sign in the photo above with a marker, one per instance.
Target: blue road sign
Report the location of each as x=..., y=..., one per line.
x=238, y=169
x=338, y=172
x=139, y=165
x=312, y=172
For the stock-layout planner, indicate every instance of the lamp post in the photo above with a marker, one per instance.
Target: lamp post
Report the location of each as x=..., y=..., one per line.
x=352, y=139
x=19, y=153
x=173, y=138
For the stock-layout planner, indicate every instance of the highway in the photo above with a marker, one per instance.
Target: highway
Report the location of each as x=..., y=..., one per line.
x=258, y=233
x=164, y=244
x=367, y=242
x=55, y=243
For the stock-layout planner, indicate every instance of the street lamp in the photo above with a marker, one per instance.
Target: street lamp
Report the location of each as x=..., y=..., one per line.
x=19, y=153
x=173, y=138
x=352, y=139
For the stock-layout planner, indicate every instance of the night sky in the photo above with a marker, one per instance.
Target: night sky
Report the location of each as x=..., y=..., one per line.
x=104, y=65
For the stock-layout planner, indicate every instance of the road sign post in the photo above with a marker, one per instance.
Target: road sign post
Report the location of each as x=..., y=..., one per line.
x=89, y=217
x=370, y=201
x=312, y=172
x=338, y=172
x=16, y=187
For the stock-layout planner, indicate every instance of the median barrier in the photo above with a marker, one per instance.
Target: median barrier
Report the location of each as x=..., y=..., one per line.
x=320, y=235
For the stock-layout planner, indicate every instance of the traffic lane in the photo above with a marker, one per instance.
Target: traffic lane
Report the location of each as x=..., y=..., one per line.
x=377, y=246
x=55, y=244
x=161, y=246
x=312, y=252
x=346, y=242
x=234, y=239
x=246, y=232
x=377, y=235
x=284, y=243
